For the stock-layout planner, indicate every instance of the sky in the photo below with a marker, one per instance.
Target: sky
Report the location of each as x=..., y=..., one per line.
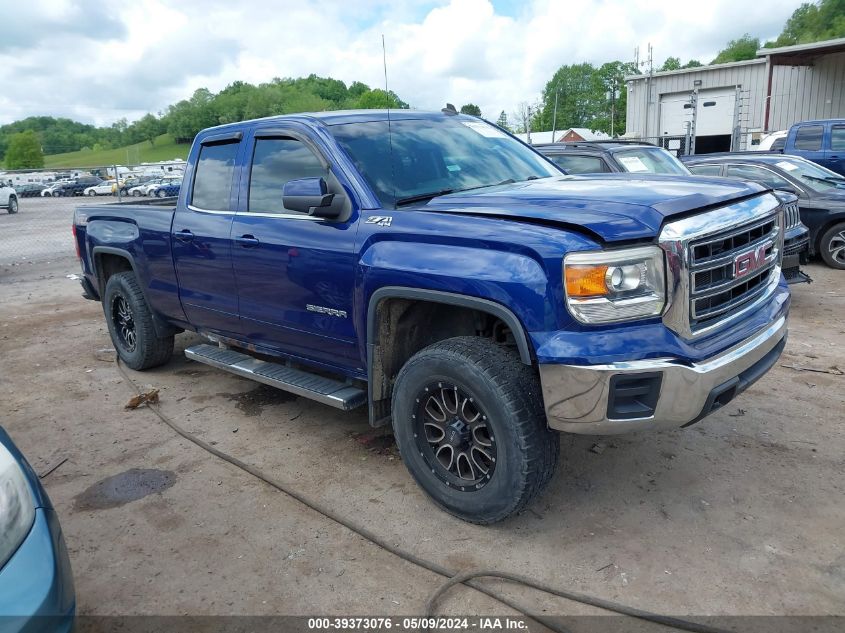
x=78, y=59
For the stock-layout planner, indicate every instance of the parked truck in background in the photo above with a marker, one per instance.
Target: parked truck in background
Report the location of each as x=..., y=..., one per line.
x=822, y=142
x=435, y=269
x=8, y=198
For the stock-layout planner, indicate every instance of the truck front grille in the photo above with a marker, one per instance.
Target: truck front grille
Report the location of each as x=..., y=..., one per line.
x=718, y=285
x=791, y=215
x=722, y=263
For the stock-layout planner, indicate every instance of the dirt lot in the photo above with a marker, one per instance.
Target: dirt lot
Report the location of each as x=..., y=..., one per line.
x=740, y=514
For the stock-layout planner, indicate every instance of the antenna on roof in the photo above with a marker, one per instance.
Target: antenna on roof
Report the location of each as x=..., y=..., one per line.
x=389, y=130
x=449, y=109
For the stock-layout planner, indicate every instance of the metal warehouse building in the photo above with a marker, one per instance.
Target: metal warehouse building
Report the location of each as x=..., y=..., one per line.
x=730, y=106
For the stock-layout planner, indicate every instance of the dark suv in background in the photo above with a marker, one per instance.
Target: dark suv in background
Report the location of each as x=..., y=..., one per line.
x=596, y=157
x=77, y=186
x=821, y=192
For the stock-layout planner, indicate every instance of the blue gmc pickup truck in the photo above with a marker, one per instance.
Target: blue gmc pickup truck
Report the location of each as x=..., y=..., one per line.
x=435, y=269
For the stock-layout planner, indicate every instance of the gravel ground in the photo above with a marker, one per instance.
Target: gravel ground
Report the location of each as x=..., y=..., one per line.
x=742, y=514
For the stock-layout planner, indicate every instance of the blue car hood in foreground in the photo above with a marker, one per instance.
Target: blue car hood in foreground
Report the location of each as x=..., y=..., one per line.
x=614, y=207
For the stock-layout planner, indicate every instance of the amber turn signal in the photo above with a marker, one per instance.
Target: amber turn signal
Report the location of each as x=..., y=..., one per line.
x=586, y=281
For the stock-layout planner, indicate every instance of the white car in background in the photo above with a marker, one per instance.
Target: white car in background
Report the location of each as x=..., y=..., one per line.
x=8, y=199
x=48, y=192
x=103, y=189
x=143, y=188
x=772, y=142
x=147, y=187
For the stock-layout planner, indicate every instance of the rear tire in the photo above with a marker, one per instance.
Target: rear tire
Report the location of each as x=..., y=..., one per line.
x=494, y=435
x=13, y=205
x=161, y=193
x=130, y=324
x=832, y=246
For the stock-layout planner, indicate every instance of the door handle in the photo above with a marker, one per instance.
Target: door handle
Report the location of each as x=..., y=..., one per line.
x=184, y=235
x=248, y=241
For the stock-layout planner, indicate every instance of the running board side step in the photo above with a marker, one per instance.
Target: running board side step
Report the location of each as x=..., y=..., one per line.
x=302, y=383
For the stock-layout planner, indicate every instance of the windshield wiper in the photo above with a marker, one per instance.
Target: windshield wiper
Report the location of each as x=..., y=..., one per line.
x=422, y=196
x=828, y=179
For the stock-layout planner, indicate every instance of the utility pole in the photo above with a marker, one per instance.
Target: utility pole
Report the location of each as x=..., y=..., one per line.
x=528, y=124
x=554, y=117
x=612, y=104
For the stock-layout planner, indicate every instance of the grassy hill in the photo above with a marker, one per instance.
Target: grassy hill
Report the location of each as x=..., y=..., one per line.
x=164, y=149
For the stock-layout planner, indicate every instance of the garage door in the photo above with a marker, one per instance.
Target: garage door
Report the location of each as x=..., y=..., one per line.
x=675, y=113
x=715, y=111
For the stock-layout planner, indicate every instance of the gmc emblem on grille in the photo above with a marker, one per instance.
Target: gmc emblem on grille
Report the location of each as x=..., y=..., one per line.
x=750, y=261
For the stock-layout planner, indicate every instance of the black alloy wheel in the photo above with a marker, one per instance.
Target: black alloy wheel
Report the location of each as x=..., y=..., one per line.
x=124, y=323
x=454, y=437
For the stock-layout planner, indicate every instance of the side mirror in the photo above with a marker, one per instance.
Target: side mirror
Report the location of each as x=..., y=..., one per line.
x=309, y=195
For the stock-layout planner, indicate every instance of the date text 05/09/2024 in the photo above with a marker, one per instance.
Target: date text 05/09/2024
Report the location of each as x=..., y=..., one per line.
x=419, y=623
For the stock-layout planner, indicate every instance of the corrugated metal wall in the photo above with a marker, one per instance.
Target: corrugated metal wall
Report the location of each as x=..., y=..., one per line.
x=643, y=112
x=800, y=93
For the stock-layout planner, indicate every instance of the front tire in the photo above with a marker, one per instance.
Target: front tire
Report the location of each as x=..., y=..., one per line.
x=161, y=193
x=13, y=205
x=832, y=246
x=470, y=426
x=91, y=193
x=130, y=324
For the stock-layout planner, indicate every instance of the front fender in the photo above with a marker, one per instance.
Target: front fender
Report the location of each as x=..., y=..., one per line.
x=510, y=285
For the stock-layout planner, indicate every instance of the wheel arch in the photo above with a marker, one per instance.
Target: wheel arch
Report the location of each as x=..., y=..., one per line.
x=824, y=227
x=107, y=261
x=383, y=364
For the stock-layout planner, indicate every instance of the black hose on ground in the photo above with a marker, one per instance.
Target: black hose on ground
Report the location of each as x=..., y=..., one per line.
x=453, y=577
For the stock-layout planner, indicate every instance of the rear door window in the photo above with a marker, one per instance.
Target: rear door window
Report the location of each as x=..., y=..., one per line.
x=705, y=170
x=809, y=138
x=758, y=174
x=213, y=179
x=579, y=163
x=837, y=138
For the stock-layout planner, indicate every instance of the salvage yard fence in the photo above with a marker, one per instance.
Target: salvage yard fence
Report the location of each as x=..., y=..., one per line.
x=40, y=232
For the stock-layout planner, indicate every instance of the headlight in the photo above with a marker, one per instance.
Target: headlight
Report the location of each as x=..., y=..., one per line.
x=612, y=286
x=17, y=508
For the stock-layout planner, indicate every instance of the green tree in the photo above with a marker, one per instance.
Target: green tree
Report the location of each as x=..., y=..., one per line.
x=356, y=89
x=693, y=63
x=671, y=63
x=578, y=90
x=813, y=22
x=148, y=128
x=236, y=102
x=737, y=50
x=586, y=97
x=502, y=121
x=471, y=108
x=379, y=99
x=24, y=151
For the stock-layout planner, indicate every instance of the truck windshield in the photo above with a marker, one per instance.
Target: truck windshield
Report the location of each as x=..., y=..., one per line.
x=434, y=157
x=650, y=160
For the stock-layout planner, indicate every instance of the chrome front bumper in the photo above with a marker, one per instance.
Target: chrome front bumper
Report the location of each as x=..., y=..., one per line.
x=577, y=397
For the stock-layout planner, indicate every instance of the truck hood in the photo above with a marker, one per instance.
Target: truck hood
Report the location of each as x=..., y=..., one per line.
x=614, y=207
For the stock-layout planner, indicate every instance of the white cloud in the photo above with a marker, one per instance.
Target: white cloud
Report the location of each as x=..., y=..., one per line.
x=71, y=58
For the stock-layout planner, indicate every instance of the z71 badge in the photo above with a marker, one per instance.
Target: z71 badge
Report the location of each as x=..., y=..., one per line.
x=380, y=220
